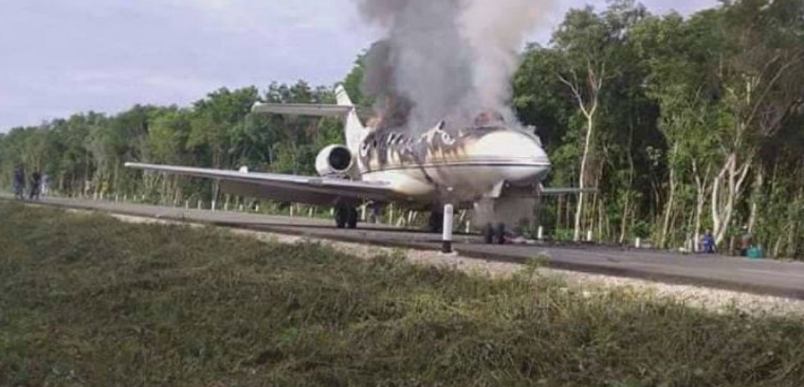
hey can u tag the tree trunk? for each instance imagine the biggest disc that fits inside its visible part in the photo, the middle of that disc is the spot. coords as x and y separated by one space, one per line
756 197
559 212
701 188
726 189
590 125
628 192
669 205
624 220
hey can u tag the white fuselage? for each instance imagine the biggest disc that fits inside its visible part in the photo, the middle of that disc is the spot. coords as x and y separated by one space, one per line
441 167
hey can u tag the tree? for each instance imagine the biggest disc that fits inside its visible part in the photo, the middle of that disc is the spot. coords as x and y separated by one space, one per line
589 44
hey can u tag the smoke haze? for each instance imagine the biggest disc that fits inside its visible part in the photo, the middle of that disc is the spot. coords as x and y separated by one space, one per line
445 59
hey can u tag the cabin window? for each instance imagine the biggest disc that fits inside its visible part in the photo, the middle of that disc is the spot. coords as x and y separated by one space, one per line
447 138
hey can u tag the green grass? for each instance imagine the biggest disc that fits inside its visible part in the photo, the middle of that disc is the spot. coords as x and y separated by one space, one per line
87 300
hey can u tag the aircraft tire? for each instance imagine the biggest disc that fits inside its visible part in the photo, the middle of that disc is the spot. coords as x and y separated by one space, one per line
499 233
436 222
341 216
488 233
351 220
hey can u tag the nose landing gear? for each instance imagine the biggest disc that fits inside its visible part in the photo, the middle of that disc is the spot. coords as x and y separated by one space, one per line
494 233
436 223
346 216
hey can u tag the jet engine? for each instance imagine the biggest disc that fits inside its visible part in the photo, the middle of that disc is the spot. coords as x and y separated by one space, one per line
334 160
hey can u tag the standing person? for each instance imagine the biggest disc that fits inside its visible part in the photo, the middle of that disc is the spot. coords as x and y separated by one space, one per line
708 243
36 182
746 241
19 183
45 184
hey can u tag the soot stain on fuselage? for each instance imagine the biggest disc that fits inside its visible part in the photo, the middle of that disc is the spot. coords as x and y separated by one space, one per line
380 146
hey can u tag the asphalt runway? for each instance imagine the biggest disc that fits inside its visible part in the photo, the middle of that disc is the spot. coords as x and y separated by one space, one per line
777 278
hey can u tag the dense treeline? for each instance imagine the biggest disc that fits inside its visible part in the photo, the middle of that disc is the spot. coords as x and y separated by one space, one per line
84 154
683 124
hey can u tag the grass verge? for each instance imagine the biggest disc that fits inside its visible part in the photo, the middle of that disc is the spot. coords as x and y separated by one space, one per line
89 300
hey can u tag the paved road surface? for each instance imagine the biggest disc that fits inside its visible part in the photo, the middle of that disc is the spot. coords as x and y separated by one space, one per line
763 277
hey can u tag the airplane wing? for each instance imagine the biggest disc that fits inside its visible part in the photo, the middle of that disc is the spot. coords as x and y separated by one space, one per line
302 109
286 188
564 191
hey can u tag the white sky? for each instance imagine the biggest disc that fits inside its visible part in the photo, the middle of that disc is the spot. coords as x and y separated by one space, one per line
61 57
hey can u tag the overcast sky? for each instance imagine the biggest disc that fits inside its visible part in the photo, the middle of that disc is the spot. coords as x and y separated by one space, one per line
62 57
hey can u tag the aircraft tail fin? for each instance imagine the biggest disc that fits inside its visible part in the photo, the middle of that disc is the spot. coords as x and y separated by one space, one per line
353 127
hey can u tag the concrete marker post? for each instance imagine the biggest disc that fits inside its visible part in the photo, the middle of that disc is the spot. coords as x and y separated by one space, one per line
540 233
446 237
589 236
213 205
638 243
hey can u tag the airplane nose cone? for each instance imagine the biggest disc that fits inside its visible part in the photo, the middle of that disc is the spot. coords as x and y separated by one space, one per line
520 154
511 145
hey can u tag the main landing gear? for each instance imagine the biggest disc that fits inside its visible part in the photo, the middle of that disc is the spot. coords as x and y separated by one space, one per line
436 223
494 233
346 216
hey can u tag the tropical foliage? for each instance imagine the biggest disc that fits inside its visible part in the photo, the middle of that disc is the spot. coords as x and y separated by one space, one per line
683 124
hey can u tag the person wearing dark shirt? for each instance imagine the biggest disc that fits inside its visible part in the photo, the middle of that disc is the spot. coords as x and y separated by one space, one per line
19 183
708 243
36 182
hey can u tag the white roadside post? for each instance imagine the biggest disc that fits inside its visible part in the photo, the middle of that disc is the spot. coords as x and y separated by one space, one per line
589 236
540 233
446 239
214 203
638 243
